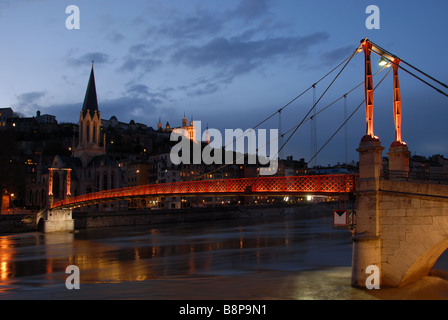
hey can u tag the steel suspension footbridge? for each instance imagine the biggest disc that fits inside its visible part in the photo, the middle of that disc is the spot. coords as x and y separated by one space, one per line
264 186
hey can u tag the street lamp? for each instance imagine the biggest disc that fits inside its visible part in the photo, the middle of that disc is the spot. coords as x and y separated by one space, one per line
385 63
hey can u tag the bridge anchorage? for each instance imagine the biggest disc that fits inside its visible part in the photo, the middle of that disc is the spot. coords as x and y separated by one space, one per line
52 219
55 220
402 225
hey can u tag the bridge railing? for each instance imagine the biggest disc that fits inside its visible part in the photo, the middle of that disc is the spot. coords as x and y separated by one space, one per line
339 183
416 176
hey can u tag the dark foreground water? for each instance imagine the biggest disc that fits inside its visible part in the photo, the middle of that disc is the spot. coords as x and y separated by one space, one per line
285 257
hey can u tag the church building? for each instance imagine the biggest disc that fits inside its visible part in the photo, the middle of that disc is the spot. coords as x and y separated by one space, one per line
187 130
89 168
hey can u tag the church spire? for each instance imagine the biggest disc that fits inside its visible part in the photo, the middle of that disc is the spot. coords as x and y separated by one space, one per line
184 121
90 135
90 100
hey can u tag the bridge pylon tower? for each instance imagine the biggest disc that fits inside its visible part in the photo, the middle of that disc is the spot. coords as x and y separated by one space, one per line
369 239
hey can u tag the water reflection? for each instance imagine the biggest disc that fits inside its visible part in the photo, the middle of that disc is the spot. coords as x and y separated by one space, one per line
6 254
297 258
142 253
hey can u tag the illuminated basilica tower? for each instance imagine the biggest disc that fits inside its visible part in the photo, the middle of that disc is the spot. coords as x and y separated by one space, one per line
91 142
186 130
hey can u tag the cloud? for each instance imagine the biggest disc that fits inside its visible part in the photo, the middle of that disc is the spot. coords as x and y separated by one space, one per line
115 37
98 57
216 46
28 102
30 97
250 9
141 91
235 56
145 65
201 86
125 109
138 90
207 88
192 27
139 58
223 59
202 24
336 55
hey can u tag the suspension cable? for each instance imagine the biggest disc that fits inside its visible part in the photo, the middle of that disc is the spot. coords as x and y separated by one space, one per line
295 98
326 90
346 94
415 68
295 127
346 61
417 77
345 122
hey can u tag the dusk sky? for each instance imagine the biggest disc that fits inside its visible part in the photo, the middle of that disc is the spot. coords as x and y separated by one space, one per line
229 64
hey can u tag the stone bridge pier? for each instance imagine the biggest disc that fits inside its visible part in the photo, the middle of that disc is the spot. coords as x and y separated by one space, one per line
402 226
55 220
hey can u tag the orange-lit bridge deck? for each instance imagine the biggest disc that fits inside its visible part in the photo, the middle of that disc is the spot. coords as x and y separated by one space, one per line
262 186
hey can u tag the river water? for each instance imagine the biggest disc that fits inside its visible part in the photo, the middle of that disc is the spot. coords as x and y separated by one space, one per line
285 257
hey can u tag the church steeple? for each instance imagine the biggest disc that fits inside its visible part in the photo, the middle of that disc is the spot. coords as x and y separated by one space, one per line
90 100
184 121
159 125
89 141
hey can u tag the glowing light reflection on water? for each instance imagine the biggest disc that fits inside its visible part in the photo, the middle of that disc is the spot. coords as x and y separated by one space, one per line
284 257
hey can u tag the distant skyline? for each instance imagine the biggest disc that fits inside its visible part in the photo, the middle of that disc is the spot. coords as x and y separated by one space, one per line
229 64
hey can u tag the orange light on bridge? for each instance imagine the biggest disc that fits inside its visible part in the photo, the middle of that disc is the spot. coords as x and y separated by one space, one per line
50 182
368 86
262 186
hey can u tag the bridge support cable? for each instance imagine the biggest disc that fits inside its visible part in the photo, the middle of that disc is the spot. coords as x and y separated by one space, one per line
306 118
326 90
346 61
345 122
389 57
345 130
330 105
327 107
294 99
297 126
313 144
303 92
345 95
280 130
413 67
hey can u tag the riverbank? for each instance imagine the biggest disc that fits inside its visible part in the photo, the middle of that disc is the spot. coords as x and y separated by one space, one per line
151 217
17 223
